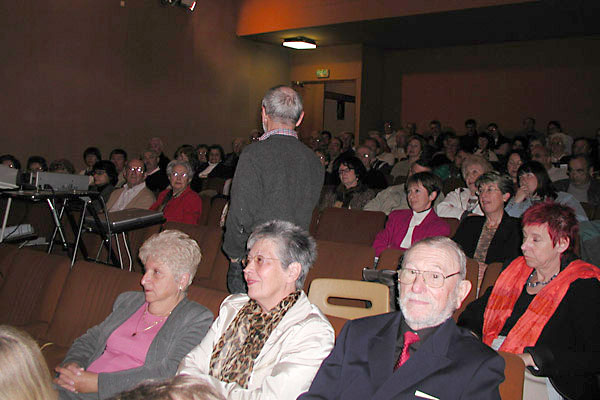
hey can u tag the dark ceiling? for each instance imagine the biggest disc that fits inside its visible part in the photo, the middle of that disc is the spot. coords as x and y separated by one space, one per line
524 21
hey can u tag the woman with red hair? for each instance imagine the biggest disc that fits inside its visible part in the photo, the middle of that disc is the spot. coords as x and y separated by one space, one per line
545 306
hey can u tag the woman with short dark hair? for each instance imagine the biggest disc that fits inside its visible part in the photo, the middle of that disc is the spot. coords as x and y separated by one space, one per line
352 192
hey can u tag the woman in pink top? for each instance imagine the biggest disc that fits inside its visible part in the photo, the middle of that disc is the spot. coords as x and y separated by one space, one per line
406 227
148 333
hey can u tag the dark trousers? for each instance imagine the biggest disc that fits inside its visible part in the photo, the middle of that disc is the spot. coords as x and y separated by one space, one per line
235 278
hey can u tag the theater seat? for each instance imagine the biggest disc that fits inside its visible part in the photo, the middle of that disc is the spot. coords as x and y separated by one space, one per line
349 226
472 276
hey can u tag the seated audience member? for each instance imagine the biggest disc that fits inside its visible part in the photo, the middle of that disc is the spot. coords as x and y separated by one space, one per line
134 194
529 129
10 161
61 166
414 149
560 148
519 143
325 139
202 153
535 186
515 159
24 374
448 152
399 151
553 127
231 159
157 145
435 137
469 140
352 192
269 343
452 170
335 152
188 153
541 155
582 145
119 158
418 352
384 159
545 306
105 178
91 156
329 180
581 183
216 168
484 148
374 179
179 203
500 143
156 178
254 136
347 139
148 333
181 387
463 201
495 237
394 197
36 164
406 227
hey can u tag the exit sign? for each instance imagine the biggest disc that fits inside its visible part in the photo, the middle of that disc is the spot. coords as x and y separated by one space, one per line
323 73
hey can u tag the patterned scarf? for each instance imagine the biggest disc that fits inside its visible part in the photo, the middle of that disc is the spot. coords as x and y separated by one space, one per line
507 290
233 356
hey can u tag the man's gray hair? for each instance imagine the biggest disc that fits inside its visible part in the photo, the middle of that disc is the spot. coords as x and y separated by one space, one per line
442 242
184 164
283 104
293 245
174 250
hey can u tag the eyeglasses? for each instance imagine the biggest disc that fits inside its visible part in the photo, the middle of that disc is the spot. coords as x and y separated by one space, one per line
138 169
181 174
258 260
432 279
344 171
487 190
99 172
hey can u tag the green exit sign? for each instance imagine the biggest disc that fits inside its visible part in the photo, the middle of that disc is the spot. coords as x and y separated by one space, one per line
323 73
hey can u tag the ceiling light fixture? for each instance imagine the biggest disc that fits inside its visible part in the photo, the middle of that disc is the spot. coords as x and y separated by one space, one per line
189 4
300 43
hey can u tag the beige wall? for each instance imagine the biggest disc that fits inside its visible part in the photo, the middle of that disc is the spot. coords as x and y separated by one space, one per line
503 83
76 74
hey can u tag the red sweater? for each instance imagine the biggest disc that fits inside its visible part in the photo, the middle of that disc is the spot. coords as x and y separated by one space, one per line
186 208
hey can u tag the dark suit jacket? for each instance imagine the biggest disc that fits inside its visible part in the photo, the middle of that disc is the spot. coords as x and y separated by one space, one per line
505 246
593 192
450 364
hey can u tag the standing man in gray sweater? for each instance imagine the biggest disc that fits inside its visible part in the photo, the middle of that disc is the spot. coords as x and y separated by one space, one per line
277 177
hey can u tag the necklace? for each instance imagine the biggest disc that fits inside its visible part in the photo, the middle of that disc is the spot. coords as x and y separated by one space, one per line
530 284
143 317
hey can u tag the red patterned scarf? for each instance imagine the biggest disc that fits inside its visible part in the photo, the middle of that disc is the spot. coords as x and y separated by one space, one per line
507 290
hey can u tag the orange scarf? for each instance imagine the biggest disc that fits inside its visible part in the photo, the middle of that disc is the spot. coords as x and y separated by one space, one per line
507 290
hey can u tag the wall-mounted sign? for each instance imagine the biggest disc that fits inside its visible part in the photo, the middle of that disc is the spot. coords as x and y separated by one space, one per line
323 73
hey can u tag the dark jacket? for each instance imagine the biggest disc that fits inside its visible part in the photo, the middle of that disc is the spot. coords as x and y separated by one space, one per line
593 193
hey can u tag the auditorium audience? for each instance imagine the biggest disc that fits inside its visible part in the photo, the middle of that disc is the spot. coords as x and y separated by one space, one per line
148 333
469 141
216 168
515 159
484 147
406 227
384 159
560 148
134 194
352 192
374 178
461 202
542 155
36 164
448 152
535 186
544 307
269 343
25 375
415 147
157 145
494 237
179 203
119 158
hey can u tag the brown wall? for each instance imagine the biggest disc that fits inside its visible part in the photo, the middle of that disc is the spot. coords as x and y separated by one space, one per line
551 79
76 74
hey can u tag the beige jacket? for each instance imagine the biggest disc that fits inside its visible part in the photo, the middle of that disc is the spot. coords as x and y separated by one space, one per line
144 199
287 363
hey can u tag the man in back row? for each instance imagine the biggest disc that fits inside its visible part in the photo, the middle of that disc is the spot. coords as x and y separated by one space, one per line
418 352
277 177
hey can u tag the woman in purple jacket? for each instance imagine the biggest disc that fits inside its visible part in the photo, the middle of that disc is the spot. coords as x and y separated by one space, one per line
406 227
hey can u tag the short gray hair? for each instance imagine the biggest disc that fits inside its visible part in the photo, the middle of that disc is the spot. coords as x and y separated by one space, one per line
475 159
184 164
283 104
293 245
175 250
442 242
503 181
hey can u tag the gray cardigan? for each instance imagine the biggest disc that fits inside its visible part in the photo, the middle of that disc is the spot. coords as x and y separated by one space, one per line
184 329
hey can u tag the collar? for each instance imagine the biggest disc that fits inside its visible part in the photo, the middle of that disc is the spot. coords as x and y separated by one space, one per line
280 131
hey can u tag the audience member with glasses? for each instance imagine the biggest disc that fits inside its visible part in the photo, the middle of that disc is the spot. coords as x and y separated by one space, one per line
352 192
179 203
269 343
495 237
134 194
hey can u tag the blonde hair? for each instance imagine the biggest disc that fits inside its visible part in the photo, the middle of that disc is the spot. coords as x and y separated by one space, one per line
174 250
24 373
181 387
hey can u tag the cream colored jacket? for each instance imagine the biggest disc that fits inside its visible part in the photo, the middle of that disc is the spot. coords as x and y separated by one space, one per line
288 362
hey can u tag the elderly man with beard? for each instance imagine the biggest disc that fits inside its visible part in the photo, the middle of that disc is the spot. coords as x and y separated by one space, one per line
418 352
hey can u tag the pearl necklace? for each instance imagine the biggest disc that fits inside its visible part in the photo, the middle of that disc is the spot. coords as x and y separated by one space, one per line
530 284
143 317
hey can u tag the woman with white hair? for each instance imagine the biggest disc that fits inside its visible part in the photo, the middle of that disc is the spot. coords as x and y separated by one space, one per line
178 202
148 333
269 343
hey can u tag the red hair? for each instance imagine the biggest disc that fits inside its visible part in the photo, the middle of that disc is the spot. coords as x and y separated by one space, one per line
561 220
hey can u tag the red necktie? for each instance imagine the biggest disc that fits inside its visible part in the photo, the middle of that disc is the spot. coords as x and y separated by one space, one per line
409 338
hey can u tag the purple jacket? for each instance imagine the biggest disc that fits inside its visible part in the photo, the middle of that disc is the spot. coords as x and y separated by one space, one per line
397 226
